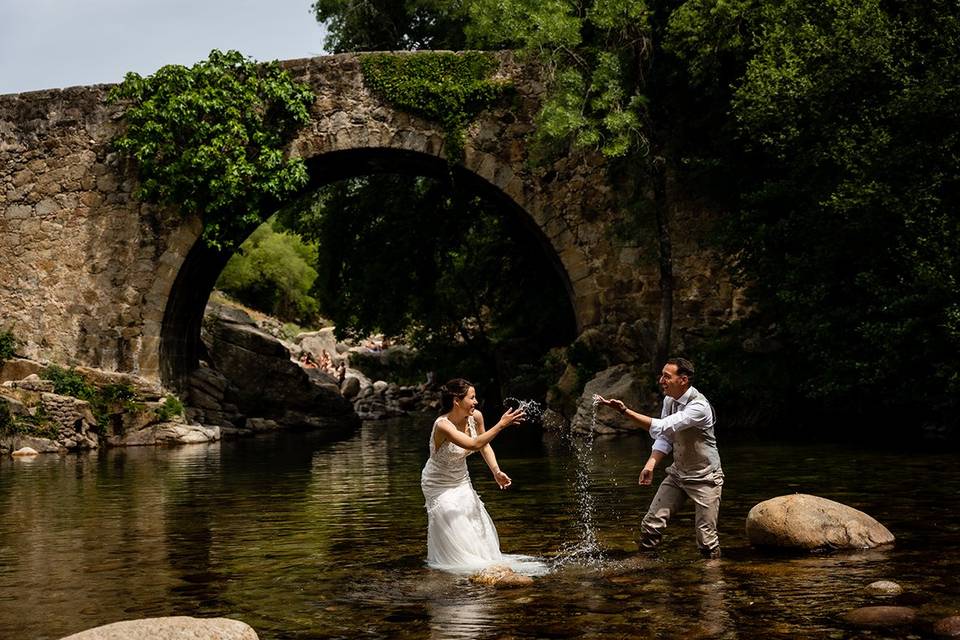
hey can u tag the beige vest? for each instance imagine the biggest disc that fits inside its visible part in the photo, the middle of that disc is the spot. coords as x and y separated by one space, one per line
695 454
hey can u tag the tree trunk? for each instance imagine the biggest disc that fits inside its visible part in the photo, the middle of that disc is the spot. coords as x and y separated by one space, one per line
665 246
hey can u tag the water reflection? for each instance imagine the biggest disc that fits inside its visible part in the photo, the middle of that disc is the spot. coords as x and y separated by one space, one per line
467 616
306 538
188 520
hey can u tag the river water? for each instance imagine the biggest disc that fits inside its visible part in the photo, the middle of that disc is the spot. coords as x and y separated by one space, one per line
306 538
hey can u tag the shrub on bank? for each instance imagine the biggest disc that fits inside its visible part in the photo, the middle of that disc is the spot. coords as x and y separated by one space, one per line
171 407
8 343
37 425
104 401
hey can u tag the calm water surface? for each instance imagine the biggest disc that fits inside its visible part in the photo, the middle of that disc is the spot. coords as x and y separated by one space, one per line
305 538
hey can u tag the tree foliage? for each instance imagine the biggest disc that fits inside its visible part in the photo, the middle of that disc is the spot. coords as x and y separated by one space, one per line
846 136
389 25
420 259
273 272
828 132
449 88
595 54
612 89
210 139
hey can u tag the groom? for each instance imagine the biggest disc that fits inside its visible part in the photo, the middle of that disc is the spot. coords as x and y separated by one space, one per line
685 426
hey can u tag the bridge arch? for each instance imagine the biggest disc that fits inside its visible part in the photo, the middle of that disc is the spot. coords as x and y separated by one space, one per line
189 287
89 275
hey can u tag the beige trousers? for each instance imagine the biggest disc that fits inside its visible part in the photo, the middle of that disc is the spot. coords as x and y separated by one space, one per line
670 497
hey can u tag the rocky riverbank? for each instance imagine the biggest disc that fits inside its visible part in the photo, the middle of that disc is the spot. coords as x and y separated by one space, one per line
252 380
46 408
257 379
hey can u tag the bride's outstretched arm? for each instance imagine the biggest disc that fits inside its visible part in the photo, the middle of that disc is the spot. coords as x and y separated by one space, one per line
490 458
461 439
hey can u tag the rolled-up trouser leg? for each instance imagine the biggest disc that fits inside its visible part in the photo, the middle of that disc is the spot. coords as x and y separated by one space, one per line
666 502
706 497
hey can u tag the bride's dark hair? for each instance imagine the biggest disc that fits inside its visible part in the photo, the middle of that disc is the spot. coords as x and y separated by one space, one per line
453 390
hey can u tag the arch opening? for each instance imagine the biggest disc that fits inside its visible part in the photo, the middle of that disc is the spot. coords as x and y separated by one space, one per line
180 346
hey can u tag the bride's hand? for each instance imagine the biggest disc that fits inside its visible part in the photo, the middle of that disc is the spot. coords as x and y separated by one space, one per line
502 479
511 416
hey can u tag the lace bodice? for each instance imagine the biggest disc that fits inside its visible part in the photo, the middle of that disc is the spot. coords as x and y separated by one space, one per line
448 452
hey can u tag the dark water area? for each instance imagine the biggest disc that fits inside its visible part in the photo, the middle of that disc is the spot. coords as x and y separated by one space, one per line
305 538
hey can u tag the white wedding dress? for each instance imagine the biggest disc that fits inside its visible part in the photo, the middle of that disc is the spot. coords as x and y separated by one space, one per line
461 537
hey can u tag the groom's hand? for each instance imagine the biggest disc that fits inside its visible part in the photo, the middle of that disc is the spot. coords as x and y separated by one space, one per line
646 476
614 403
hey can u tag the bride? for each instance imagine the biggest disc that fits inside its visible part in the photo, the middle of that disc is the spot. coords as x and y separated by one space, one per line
460 534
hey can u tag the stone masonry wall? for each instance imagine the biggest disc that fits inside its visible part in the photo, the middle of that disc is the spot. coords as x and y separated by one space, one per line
86 270
79 255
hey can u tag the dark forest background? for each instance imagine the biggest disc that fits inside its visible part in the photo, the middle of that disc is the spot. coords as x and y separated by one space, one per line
826 133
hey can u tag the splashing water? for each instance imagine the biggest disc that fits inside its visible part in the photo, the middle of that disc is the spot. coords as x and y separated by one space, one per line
532 410
586 549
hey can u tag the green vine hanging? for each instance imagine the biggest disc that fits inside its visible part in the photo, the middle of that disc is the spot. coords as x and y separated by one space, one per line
449 88
210 139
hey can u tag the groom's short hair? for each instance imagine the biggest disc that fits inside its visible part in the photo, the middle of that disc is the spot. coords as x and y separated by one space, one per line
684 367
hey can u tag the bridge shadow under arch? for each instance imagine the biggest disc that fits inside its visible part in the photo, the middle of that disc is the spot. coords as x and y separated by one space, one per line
180 345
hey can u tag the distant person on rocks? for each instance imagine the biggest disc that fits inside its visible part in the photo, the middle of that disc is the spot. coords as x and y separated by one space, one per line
325 363
685 427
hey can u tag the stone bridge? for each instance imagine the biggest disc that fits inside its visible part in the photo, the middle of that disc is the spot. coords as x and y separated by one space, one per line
91 276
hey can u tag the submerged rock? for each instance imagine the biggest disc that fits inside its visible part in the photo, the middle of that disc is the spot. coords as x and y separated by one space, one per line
170 628
884 588
25 451
880 616
947 627
811 523
500 576
166 433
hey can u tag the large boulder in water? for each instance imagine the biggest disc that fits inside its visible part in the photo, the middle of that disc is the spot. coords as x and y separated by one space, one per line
267 383
881 616
622 382
810 523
